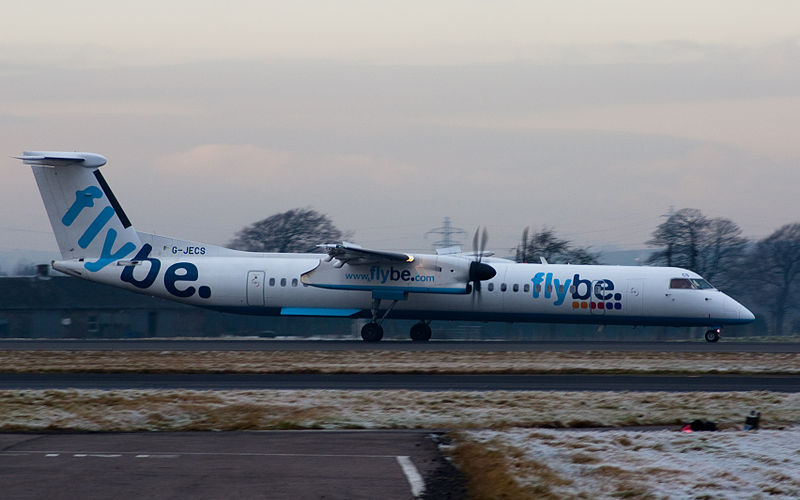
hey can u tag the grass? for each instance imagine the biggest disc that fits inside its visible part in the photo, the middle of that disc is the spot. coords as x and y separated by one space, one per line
185 410
629 463
398 362
492 474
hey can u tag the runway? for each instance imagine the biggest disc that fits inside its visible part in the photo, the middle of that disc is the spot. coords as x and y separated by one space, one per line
426 382
250 344
275 465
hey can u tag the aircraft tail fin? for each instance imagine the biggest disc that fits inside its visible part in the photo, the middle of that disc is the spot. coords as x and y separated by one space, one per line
86 217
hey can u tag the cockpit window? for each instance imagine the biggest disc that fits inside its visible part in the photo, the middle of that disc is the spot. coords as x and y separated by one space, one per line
701 284
690 283
680 283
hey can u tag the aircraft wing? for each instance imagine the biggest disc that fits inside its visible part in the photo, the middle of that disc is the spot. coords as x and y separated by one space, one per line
350 253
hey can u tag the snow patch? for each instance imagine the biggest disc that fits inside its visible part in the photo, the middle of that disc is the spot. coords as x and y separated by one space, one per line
662 464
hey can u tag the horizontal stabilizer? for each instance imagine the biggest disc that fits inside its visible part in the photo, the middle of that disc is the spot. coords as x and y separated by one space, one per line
62 158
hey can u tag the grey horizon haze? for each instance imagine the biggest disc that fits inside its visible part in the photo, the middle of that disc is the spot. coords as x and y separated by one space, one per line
389 116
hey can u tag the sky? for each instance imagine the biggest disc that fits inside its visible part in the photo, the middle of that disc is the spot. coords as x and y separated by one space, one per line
591 117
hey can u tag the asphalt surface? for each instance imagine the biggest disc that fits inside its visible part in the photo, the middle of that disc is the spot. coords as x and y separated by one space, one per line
250 344
422 382
275 465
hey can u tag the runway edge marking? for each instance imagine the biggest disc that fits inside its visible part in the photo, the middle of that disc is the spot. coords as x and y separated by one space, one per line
412 475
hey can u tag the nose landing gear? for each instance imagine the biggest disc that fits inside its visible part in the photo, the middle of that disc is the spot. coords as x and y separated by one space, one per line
713 335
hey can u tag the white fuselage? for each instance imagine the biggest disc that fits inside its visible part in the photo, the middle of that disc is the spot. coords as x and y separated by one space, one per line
272 284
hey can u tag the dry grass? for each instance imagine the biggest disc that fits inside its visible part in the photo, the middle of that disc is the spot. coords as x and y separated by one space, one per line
183 410
397 362
492 474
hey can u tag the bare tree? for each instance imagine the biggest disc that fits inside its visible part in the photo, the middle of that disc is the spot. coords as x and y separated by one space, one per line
680 235
773 269
298 230
722 248
710 247
546 244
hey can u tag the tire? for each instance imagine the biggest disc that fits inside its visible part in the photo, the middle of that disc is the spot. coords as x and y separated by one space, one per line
712 336
420 332
372 332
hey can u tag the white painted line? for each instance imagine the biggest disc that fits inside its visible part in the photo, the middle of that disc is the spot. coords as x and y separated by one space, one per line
412 474
192 453
109 455
52 455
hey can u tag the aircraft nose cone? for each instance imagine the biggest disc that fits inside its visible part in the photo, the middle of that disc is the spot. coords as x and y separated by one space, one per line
738 311
745 314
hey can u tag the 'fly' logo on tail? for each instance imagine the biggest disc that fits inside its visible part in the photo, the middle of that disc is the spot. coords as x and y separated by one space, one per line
85 198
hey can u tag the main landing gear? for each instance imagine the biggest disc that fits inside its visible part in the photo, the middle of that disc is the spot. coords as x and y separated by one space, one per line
713 335
373 331
421 332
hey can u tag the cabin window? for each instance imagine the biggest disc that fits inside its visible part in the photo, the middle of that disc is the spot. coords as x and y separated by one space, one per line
561 289
572 289
538 289
283 281
515 287
294 281
502 287
526 288
549 289
680 283
491 287
272 282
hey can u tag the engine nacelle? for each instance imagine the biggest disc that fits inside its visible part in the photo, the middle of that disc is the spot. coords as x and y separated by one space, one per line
424 274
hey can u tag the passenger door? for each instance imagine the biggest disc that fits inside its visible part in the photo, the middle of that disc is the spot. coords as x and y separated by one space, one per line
255 288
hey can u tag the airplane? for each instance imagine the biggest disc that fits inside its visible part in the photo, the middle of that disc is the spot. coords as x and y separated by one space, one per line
98 242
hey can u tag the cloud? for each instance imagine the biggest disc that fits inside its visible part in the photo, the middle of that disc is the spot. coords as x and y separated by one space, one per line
245 165
199 150
240 164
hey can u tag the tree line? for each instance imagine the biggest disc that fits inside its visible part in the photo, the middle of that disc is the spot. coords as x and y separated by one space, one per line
763 274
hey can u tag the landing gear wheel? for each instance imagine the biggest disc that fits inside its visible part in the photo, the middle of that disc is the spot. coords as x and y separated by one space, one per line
421 332
372 332
712 335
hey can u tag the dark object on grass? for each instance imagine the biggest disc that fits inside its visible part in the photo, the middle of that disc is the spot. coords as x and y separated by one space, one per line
702 425
751 422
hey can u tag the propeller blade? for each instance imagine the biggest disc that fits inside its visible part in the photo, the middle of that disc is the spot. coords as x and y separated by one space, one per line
484 239
479 271
524 249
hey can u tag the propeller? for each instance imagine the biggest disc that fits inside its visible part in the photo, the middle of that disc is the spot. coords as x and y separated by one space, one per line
523 251
478 271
